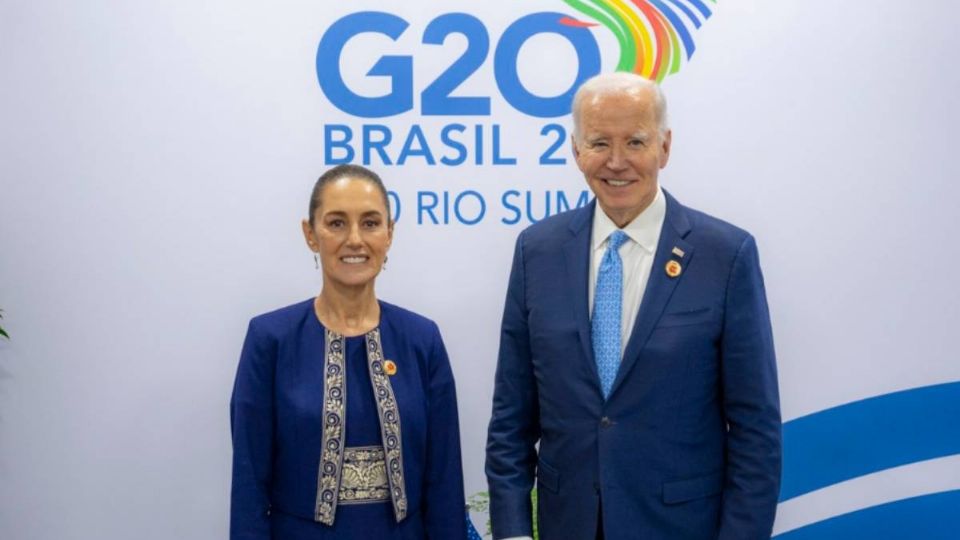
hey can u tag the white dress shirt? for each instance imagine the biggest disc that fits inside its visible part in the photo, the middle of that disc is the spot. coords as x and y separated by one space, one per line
637 256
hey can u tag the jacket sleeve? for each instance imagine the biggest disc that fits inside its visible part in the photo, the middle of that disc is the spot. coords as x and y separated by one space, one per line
751 404
444 515
252 425
515 423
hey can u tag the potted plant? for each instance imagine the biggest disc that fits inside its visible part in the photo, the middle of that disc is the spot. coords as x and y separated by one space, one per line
2 331
480 502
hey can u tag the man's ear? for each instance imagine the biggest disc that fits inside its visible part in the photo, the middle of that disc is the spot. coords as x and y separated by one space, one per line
665 148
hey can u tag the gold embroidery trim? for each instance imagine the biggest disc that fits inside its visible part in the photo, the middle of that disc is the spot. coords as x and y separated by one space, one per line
334 410
330 489
364 477
390 430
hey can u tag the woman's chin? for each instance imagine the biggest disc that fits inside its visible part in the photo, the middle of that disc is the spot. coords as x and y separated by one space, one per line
358 278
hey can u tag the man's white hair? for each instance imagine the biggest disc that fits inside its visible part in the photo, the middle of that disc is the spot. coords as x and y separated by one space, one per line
620 82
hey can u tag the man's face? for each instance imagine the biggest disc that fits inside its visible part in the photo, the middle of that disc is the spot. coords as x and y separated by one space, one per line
621 151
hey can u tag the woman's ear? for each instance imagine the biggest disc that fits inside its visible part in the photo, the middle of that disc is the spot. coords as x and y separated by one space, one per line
308 235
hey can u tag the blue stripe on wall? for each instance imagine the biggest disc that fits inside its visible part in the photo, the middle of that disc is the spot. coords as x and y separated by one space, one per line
929 517
867 436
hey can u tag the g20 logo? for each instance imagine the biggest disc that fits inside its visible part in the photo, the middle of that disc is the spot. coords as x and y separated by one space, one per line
436 98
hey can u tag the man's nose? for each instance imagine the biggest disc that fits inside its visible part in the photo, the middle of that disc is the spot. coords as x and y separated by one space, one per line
617 160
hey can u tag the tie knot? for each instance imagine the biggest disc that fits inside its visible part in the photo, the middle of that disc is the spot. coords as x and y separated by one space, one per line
616 239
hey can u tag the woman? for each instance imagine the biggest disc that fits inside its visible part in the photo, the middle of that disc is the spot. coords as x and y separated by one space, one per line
344 412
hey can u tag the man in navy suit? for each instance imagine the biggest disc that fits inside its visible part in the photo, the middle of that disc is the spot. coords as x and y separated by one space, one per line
636 349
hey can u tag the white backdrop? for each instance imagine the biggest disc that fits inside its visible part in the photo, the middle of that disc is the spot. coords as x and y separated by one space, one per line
156 158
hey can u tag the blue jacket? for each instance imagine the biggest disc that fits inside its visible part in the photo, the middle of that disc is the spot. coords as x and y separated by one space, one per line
277 420
687 446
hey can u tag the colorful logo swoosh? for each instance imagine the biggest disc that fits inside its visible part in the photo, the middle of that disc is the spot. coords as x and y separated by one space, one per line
654 35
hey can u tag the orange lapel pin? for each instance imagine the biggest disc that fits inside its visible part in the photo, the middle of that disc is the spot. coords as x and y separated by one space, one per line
389 367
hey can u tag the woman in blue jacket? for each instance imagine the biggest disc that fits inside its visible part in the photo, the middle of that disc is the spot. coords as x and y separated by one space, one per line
344 412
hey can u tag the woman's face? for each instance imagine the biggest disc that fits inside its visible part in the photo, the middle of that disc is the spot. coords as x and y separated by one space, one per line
351 231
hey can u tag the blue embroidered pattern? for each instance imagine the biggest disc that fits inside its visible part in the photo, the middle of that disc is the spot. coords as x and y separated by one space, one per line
329 487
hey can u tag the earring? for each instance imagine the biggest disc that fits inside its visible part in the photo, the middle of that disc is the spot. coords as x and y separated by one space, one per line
316 260
385 258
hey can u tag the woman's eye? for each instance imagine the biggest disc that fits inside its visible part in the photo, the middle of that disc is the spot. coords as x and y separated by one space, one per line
371 224
335 223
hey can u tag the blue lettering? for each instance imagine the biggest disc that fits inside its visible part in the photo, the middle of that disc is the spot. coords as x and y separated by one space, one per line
394 205
497 160
435 99
563 205
459 214
547 157
546 211
398 68
449 142
505 199
505 63
422 148
426 208
478 137
379 145
331 142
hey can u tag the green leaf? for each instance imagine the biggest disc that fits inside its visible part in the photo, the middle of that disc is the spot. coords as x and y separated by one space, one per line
4 333
536 526
480 502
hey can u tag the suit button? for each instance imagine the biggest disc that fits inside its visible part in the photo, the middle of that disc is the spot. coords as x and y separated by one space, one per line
606 422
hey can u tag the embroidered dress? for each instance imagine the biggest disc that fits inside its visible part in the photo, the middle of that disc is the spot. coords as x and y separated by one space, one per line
328 446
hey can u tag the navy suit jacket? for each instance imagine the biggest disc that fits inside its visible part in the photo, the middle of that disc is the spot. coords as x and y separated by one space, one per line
687 446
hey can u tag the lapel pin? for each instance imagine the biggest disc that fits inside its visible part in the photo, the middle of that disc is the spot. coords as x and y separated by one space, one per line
389 367
678 252
673 269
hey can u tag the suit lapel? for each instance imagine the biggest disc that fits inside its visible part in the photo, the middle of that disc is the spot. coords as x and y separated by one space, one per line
660 286
577 258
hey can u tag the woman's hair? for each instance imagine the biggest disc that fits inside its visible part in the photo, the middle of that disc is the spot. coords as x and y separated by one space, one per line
346 171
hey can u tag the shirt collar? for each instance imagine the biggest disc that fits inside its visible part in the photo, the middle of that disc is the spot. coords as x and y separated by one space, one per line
644 229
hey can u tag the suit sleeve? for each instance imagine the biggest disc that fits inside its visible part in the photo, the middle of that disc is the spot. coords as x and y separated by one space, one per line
444 514
251 424
515 423
751 404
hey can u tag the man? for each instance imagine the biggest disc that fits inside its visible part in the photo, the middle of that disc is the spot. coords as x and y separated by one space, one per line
636 350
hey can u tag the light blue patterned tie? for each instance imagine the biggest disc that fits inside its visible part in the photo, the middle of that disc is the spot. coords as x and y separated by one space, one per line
607 301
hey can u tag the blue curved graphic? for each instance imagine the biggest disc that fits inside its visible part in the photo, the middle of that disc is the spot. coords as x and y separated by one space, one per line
928 517
871 435
697 4
678 25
